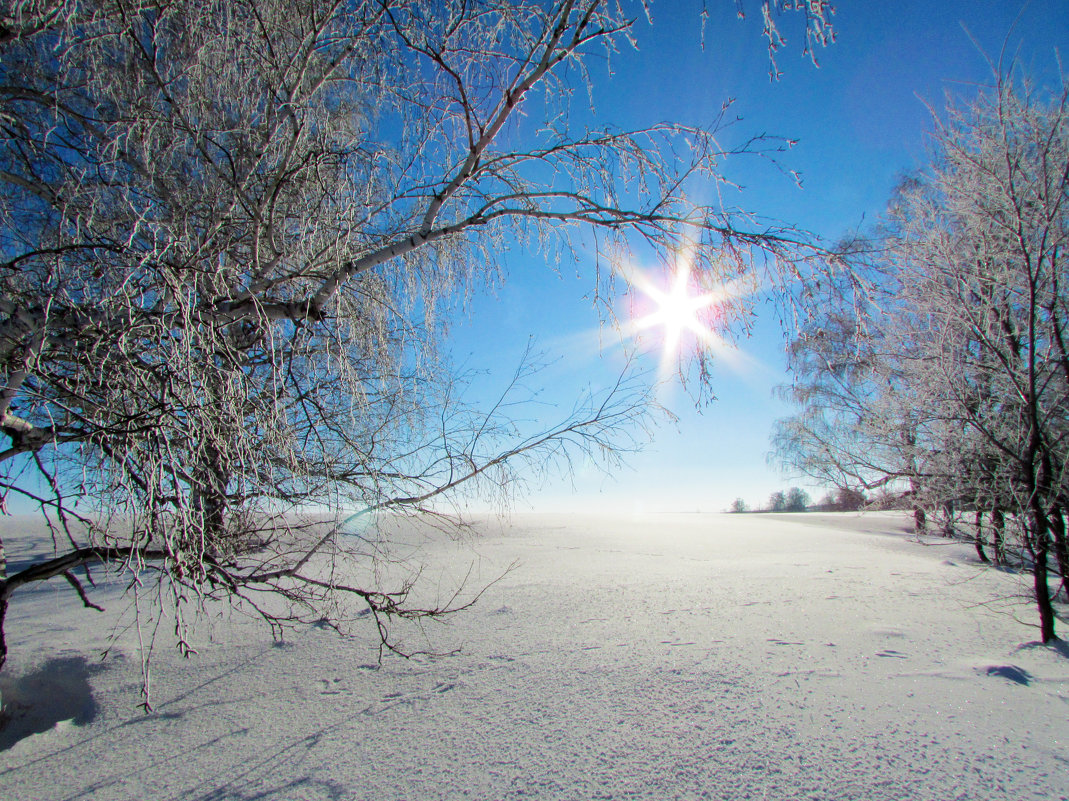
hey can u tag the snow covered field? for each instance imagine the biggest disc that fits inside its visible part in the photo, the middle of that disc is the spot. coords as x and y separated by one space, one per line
657 657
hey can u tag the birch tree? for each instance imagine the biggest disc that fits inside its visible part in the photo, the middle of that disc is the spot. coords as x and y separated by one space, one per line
956 374
233 234
860 423
979 248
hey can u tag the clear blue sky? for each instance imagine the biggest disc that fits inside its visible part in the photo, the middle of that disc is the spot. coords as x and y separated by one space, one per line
861 119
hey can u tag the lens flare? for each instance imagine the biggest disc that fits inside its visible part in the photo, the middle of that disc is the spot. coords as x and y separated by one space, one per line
673 311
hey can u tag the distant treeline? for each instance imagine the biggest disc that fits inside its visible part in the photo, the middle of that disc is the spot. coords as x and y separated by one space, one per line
796 499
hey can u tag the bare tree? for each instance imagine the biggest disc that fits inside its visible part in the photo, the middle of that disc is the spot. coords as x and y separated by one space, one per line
979 249
859 425
797 500
777 502
234 233
848 499
956 368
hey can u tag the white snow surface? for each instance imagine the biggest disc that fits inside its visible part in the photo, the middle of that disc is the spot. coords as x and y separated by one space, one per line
680 656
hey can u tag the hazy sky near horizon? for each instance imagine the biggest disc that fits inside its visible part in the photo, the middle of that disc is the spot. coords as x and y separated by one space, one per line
861 121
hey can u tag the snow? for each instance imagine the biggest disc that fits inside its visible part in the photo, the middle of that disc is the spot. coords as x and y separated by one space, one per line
631 657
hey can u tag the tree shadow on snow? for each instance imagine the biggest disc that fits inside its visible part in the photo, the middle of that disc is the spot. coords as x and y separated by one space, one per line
1011 672
308 786
35 702
1058 646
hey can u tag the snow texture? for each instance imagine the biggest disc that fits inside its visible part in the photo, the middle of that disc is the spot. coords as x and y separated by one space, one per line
659 657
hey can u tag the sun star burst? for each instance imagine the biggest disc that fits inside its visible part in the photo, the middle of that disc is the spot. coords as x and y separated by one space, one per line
672 312
677 310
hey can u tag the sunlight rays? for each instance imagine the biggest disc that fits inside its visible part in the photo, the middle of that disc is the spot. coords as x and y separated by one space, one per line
671 312
674 313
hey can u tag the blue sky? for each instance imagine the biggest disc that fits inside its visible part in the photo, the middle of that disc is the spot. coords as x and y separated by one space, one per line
860 119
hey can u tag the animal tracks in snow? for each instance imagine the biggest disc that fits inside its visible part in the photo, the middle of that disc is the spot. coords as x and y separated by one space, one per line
331 687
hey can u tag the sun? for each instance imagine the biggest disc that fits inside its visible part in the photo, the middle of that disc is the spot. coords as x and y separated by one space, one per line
672 313
675 313
677 309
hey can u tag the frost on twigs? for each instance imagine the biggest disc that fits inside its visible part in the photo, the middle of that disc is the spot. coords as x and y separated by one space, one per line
934 367
234 236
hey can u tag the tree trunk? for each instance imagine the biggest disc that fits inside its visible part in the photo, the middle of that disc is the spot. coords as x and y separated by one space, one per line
211 474
209 499
998 525
920 522
3 604
3 617
1039 544
1061 550
948 519
978 537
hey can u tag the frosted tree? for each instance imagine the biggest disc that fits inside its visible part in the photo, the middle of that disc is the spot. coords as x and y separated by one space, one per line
233 236
859 424
942 358
978 246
